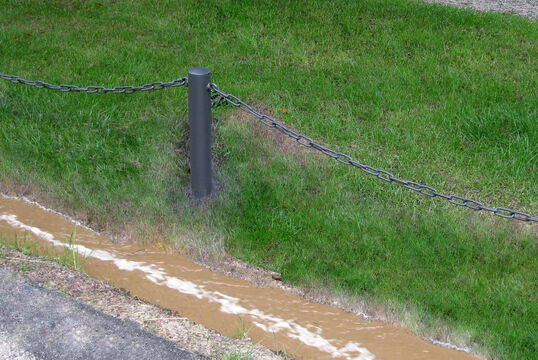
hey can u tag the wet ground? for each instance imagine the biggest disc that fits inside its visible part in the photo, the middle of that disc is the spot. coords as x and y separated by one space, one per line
278 319
36 322
54 276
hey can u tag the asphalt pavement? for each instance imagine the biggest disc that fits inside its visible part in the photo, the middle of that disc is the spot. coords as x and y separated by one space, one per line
40 323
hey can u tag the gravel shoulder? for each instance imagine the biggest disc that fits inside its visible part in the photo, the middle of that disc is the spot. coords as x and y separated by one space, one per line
94 295
50 325
525 8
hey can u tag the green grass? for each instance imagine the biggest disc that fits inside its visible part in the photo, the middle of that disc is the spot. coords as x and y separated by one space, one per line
23 244
235 356
241 330
443 96
67 256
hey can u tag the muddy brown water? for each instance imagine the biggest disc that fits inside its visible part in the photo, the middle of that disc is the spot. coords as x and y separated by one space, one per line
278 319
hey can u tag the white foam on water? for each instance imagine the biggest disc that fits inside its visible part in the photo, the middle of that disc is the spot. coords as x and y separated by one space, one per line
228 304
28 201
449 345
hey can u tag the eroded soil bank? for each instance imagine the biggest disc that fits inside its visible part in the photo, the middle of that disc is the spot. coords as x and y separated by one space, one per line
279 320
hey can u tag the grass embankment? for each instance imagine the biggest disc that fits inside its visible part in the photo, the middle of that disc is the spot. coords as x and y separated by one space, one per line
443 96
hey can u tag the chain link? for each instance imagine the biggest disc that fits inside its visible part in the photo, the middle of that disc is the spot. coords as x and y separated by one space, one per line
370 170
220 97
157 85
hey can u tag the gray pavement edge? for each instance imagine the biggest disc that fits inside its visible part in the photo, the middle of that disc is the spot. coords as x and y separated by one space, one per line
51 325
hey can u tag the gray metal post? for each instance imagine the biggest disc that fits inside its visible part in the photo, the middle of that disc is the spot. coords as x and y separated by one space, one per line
200 132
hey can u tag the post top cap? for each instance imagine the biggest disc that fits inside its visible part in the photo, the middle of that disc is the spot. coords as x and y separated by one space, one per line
199 71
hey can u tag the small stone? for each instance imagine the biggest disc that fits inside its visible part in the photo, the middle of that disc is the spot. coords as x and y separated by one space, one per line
276 276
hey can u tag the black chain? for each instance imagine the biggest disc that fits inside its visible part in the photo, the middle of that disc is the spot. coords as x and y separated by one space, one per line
220 97
157 85
370 170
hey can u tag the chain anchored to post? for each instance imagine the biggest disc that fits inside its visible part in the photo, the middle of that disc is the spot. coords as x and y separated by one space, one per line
203 94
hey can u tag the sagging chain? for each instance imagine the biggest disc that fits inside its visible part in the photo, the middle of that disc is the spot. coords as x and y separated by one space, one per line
370 170
157 85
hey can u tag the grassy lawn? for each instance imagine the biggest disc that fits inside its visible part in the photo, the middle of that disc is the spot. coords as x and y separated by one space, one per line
443 96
